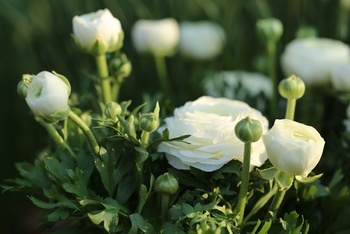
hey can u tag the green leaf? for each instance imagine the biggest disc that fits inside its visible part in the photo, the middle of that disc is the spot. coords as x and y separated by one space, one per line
268 173
109 218
144 194
141 154
42 204
310 179
337 177
138 223
284 180
169 228
77 184
290 223
59 214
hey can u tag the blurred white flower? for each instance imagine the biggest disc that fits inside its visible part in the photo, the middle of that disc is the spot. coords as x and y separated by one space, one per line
47 96
210 122
340 77
98 32
239 85
292 147
313 59
201 40
158 37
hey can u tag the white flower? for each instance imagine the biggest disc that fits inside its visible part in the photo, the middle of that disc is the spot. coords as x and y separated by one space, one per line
201 40
292 147
341 77
47 96
240 85
158 37
98 32
313 59
210 122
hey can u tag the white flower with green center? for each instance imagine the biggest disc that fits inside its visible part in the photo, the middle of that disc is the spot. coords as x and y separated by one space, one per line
210 122
47 96
292 147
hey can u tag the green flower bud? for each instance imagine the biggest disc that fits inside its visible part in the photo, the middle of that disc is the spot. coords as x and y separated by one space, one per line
248 130
120 66
149 122
292 87
269 29
112 110
166 184
22 86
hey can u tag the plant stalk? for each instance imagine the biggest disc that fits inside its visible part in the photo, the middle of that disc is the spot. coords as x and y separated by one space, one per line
102 69
87 132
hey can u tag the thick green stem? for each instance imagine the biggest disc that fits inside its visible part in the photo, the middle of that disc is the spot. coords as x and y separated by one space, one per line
102 69
87 132
242 196
291 103
55 136
260 203
163 75
271 53
277 201
164 205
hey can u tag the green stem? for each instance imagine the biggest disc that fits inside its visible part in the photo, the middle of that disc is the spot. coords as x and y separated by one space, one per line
277 201
162 75
87 132
242 196
271 53
102 69
116 88
164 205
291 103
144 138
55 136
260 203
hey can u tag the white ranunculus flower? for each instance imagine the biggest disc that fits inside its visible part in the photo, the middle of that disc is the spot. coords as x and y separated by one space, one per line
341 77
158 37
210 122
98 32
47 96
201 40
292 147
239 85
313 59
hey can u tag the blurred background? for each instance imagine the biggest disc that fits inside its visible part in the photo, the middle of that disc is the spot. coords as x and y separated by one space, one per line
35 36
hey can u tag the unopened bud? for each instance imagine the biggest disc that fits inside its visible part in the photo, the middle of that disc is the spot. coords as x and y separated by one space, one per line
120 66
149 122
269 29
248 130
292 87
166 184
112 110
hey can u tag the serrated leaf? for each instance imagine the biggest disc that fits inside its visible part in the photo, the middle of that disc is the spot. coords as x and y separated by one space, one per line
77 184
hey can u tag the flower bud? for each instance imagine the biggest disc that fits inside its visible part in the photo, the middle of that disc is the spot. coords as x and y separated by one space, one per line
292 87
269 29
112 110
248 130
149 122
22 86
166 184
47 96
120 66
